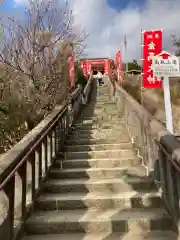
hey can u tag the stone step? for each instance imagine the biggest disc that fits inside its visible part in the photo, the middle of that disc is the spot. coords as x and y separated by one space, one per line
82 127
152 235
93 221
104 100
98 185
100 135
96 173
100 113
103 96
105 93
113 153
101 117
99 163
101 120
100 107
105 104
98 147
100 201
93 119
102 93
91 141
100 130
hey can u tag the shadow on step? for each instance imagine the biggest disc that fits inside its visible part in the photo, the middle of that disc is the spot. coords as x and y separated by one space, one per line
113 222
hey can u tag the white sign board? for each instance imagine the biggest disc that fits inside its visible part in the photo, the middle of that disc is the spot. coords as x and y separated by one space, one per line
168 66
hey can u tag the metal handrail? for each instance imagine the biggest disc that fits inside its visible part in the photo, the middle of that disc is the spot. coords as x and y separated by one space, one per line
48 136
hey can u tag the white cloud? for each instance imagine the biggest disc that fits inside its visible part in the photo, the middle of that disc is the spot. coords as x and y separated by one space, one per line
107 26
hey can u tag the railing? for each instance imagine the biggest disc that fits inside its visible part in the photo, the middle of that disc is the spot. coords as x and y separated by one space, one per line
159 148
24 168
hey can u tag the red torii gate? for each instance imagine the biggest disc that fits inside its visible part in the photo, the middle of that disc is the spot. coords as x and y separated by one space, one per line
94 63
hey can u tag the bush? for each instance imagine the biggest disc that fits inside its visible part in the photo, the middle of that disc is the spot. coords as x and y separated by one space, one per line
175 91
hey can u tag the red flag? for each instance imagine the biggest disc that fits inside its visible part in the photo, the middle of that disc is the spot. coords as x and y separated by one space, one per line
83 64
112 67
89 67
152 45
85 68
71 70
119 65
106 66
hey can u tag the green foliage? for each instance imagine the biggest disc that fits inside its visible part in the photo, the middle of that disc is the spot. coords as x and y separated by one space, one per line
132 66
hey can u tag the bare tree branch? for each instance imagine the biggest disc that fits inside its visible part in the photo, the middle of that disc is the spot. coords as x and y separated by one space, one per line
176 43
33 65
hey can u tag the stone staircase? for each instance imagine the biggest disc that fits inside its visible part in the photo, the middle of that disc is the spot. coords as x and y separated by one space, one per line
99 189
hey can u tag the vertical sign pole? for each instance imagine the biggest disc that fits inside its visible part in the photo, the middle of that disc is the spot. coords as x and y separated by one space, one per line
167 101
142 63
125 45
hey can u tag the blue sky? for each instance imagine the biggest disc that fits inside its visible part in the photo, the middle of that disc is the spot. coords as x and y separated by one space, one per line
117 4
120 4
108 21
8 5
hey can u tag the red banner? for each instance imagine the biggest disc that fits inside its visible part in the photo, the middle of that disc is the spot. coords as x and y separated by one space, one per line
89 67
106 67
119 65
112 66
83 65
152 46
71 70
85 69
